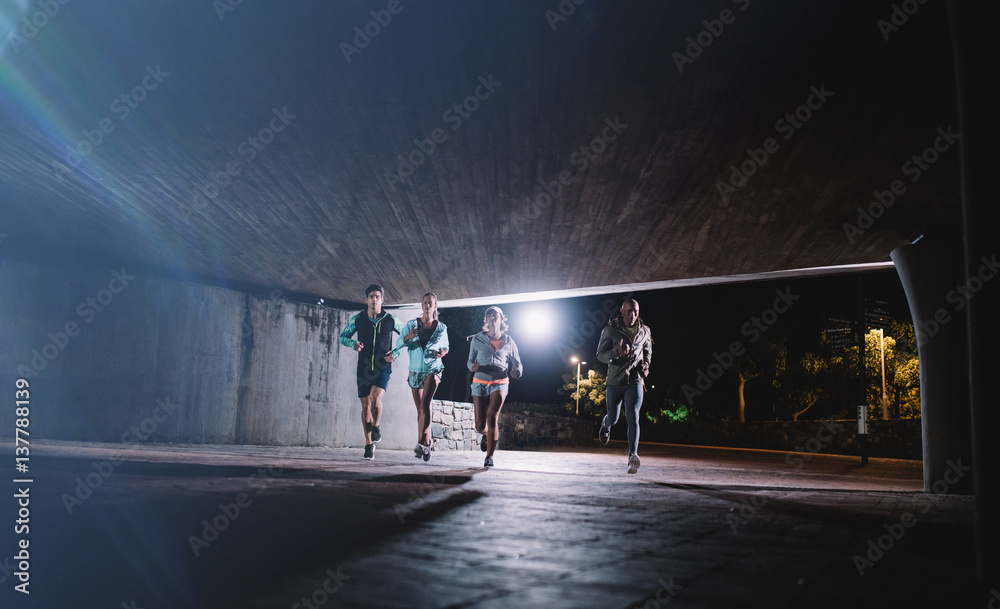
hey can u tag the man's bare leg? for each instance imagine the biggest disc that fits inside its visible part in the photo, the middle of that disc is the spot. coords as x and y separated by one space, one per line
366 419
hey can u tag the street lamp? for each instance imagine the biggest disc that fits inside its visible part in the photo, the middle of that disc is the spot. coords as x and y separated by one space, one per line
578 363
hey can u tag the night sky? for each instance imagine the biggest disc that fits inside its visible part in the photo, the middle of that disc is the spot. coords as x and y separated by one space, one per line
689 325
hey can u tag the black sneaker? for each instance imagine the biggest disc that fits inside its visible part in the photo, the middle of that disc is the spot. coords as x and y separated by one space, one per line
418 451
376 433
427 452
488 462
369 451
605 433
482 443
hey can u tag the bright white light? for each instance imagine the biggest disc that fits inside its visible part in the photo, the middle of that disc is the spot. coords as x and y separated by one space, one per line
536 322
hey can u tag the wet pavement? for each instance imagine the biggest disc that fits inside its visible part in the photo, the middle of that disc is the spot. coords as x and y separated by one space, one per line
167 525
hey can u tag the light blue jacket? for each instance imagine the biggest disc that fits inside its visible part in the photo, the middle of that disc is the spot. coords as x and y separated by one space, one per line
493 365
421 359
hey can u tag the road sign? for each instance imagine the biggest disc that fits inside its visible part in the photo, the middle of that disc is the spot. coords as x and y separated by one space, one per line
877 315
840 333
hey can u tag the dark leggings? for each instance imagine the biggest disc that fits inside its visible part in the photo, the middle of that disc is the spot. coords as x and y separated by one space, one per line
632 396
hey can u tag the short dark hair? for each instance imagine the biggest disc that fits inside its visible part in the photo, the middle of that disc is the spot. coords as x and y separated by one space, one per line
374 288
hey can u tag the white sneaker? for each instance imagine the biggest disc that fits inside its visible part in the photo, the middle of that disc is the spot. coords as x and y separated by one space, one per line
633 463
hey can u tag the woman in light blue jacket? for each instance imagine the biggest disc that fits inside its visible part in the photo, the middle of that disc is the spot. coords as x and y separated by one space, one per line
427 341
494 359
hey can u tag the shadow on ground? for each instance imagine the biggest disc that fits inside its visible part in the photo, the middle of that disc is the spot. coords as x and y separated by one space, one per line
187 535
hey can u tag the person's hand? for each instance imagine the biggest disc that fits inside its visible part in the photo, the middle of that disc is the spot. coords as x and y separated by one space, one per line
389 357
623 348
515 373
475 367
440 353
413 334
645 371
358 345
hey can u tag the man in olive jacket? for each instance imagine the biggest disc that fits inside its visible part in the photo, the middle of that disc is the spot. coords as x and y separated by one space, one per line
626 346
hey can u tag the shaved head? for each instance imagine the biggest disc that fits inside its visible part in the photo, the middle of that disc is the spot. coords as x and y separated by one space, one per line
630 312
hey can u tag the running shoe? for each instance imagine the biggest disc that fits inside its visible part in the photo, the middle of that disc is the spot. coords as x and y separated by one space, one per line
488 462
418 451
633 463
376 433
426 449
369 451
482 443
605 433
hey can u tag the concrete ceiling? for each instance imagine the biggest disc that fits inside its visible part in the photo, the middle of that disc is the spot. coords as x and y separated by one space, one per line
237 145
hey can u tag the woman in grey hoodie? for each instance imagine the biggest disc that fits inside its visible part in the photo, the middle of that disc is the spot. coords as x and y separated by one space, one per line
494 360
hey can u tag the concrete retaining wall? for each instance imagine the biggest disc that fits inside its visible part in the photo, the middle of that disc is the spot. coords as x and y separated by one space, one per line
107 352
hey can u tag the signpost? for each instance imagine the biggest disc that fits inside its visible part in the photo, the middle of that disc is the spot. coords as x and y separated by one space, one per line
840 333
863 432
877 316
843 333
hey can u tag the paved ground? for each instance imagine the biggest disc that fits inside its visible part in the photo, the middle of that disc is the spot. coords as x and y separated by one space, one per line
269 527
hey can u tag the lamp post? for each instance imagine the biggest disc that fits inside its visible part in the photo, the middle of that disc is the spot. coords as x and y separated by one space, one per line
578 363
885 396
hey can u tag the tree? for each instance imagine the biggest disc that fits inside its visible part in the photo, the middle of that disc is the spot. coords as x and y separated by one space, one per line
905 387
816 379
593 392
833 377
766 359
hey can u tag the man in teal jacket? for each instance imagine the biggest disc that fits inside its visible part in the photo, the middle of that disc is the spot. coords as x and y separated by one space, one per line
374 328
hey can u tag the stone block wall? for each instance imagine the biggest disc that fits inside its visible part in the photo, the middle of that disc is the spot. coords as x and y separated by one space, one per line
453 428
526 430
